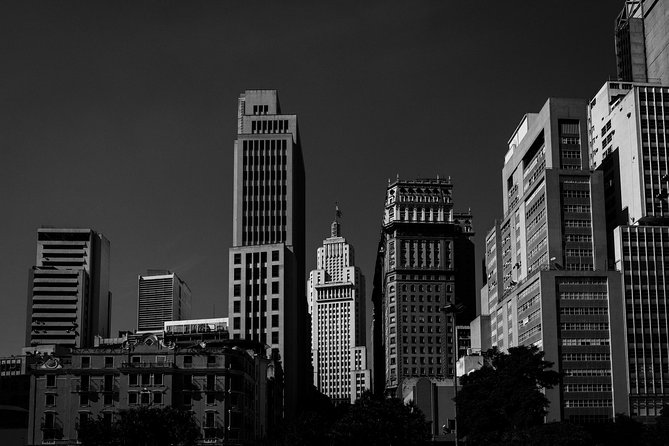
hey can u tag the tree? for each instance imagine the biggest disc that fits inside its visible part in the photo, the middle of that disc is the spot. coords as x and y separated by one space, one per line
375 421
143 426
505 394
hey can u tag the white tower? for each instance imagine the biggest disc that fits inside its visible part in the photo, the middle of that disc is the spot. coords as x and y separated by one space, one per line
336 299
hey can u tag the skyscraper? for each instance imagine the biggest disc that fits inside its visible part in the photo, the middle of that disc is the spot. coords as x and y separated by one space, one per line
547 281
69 302
629 145
267 301
642 41
161 297
425 262
336 301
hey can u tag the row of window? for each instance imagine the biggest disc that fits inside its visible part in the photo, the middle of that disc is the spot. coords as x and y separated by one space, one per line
587 387
586 357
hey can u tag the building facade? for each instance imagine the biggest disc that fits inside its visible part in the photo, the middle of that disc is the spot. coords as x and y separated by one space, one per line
69 302
642 41
547 280
161 296
227 385
425 262
336 302
267 301
628 144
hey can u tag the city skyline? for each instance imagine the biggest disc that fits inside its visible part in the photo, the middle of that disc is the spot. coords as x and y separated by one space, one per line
90 142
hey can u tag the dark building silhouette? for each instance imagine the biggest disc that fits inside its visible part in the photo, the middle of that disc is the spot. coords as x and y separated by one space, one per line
69 302
425 261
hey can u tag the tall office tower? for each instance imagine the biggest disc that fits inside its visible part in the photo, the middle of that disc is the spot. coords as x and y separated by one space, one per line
642 41
547 278
629 143
425 262
267 301
161 297
69 302
336 300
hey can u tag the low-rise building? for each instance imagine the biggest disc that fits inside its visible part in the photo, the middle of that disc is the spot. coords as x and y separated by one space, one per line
229 385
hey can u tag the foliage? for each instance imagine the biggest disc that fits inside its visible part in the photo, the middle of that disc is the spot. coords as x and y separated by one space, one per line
504 395
370 421
549 434
143 426
380 422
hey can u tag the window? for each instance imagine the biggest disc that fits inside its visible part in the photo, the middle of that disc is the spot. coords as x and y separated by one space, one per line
108 399
275 287
85 362
237 274
275 337
236 306
83 418
275 304
157 379
50 399
51 380
83 399
275 320
275 256
84 382
109 362
157 398
275 270
145 397
109 381
237 259
236 324
237 290
146 379
132 397
132 379
49 420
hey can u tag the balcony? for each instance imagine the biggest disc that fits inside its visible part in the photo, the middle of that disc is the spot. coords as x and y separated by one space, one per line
148 365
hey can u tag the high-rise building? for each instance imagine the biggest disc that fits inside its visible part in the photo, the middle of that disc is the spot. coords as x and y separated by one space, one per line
161 297
69 302
629 144
267 301
547 281
642 41
425 262
336 301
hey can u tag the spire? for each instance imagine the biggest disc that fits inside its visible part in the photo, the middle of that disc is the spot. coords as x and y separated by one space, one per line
335 229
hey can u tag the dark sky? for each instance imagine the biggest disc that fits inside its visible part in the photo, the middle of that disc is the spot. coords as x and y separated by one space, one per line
121 116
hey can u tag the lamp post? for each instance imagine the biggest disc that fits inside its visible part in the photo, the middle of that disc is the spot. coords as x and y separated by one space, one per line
452 309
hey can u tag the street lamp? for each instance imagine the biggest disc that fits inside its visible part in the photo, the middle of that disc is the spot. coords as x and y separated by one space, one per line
452 310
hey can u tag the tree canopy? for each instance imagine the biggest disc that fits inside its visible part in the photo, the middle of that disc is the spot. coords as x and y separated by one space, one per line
142 426
371 420
505 394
